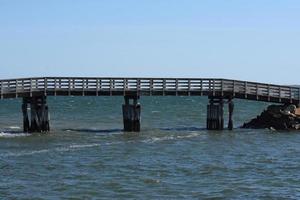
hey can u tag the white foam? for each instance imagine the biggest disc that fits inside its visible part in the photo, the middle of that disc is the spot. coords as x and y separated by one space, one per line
15 127
79 146
24 153
155 111
159 139
13 135
58 149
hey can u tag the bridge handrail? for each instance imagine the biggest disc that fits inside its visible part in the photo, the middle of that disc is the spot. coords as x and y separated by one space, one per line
213 85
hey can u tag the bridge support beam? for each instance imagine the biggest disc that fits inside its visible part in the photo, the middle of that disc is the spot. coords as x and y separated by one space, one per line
38 118
215 113
131 114
230 112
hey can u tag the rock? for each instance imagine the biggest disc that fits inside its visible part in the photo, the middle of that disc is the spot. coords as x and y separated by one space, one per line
279 117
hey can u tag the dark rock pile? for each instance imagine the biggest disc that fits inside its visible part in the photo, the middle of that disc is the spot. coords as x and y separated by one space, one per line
279 117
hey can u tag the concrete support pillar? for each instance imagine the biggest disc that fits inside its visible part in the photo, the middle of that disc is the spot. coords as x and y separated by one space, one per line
215 113
38 119
131 114
230 112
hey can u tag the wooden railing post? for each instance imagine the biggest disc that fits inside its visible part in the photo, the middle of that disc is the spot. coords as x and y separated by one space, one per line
279 94
164 86
257 93
69 90
82 85
1 89
233 89
222 88
213 87
31 87
23 85
151 88
269 98
16 84
291 100
100 84
110 86
246 89
97 87
45 86
54 86
299 97
201 87
138 86
176 86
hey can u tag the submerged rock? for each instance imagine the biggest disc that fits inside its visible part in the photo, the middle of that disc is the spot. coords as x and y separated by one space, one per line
279 117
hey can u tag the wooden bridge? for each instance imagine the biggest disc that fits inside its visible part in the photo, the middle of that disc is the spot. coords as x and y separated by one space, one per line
35 90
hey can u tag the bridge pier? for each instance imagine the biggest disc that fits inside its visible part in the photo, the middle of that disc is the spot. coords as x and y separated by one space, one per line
215 113
38 118
230 111
131 114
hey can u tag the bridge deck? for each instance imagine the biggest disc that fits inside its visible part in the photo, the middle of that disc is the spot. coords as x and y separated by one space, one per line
74 86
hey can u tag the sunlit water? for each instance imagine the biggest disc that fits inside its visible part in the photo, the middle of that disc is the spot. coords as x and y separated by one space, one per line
87 156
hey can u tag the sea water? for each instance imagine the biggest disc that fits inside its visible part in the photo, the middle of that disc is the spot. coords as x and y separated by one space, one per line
88 156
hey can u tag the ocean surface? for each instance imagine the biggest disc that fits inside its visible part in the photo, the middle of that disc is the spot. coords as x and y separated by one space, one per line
88 156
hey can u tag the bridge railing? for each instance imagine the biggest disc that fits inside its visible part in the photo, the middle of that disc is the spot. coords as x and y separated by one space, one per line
46 84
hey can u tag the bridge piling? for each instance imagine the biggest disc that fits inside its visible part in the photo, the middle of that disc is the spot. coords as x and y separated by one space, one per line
131 114
215 113
26 125
38 119
230 111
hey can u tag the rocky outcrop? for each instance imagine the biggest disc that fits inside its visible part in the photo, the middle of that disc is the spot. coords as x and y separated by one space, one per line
279 117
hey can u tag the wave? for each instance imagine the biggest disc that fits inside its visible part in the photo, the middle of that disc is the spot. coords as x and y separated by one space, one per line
172 137
14 127
13 135
72 147
76 146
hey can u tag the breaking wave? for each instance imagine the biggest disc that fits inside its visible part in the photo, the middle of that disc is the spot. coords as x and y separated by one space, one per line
13 135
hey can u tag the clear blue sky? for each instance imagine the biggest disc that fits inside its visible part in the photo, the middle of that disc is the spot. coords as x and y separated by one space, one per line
257 40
